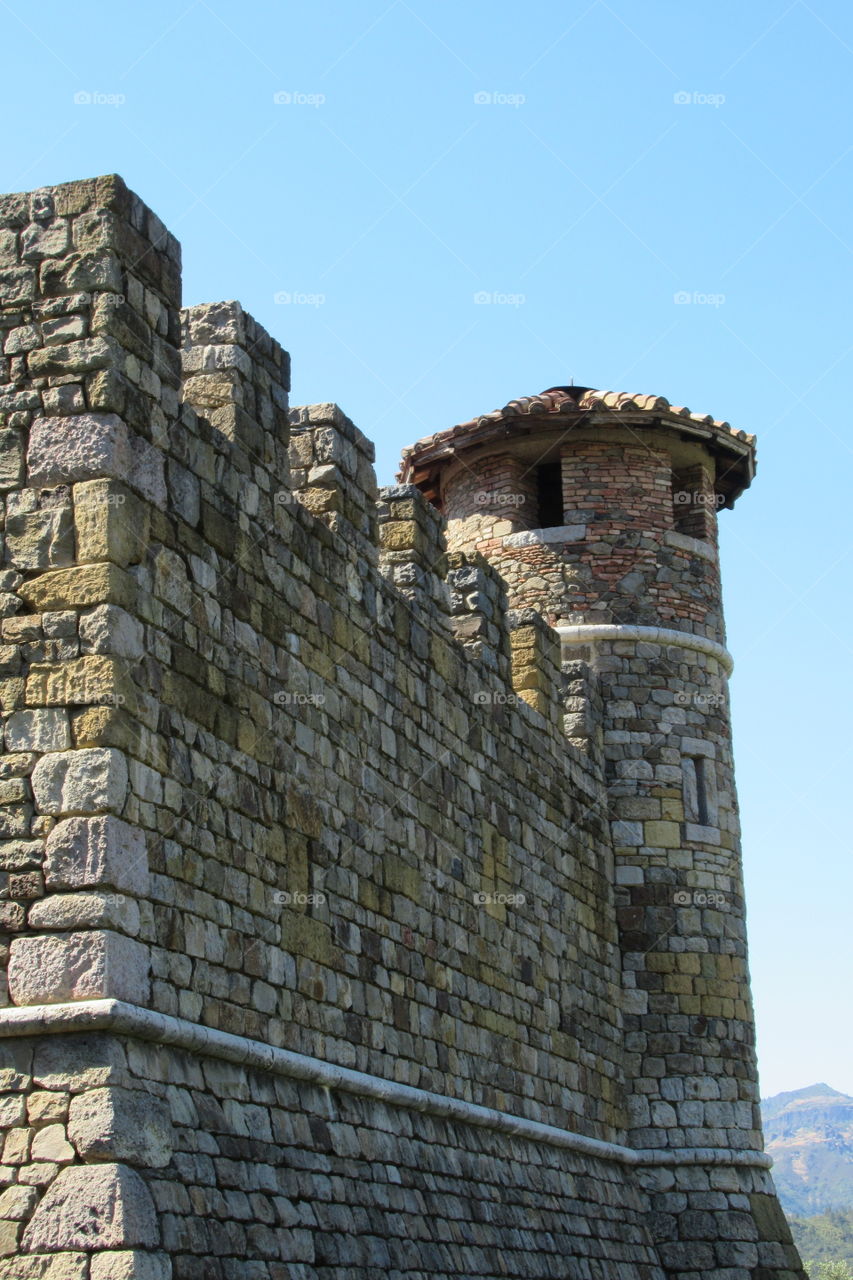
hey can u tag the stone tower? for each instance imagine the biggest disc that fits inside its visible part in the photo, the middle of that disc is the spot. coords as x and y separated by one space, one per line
600 511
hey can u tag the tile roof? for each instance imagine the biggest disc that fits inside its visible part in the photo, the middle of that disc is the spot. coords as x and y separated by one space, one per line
421 460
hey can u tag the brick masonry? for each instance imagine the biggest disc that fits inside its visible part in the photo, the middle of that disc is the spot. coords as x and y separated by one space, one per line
350 928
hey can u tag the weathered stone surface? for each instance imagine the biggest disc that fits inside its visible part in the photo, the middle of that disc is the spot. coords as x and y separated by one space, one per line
127 1125
18 1202
51 1144
73 782
45 1266
110 522
87 852
79 586
84 447
93 1207
109 629
78 966
39 531
44 730
97 679
75 1062
11 459
86 911
130 1265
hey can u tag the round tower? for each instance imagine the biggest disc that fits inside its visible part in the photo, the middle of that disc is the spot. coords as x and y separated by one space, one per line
600 510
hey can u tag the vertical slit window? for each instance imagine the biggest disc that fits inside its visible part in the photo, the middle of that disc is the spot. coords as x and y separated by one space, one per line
549 489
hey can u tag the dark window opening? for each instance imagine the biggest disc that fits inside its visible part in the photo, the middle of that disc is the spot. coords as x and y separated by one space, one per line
549 491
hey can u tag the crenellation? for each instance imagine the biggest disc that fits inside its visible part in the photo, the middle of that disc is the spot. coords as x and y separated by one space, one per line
412 545
536 675
332 475
326 955
478 608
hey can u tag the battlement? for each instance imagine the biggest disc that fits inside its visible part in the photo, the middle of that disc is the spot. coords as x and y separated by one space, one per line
327 891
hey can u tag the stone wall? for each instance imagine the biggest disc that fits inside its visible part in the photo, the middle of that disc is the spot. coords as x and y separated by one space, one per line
313 962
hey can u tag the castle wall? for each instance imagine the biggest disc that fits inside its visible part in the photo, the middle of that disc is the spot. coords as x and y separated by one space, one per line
282 777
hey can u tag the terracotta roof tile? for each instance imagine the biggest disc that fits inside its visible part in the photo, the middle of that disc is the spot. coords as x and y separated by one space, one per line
565 400
577 402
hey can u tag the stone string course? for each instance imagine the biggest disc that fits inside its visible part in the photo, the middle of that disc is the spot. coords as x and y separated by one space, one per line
285 763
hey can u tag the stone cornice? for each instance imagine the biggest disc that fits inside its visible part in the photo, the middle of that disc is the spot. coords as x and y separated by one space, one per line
586 633
120 1018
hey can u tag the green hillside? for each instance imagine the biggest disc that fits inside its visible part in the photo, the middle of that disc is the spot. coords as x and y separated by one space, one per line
823 1239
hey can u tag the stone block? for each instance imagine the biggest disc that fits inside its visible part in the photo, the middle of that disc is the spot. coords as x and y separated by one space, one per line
18 1202
79 586
110 522
627 833
51 1144
663 835
127 1125
9 1233
75 1062
109 629
84 447
94 1207
17 285
86 911
46 729
44 240
87 852
11 459
45 1266
81 271
97 679
65 399
74 357
80 782
90 965
39 531
130 1264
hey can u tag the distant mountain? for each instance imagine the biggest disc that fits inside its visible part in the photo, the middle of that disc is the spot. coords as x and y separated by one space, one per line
809 1134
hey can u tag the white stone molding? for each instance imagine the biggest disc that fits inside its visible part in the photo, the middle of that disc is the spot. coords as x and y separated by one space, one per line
587 632
120 1018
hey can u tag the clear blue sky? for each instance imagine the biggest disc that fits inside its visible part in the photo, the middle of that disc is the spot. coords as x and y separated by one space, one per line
383 196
